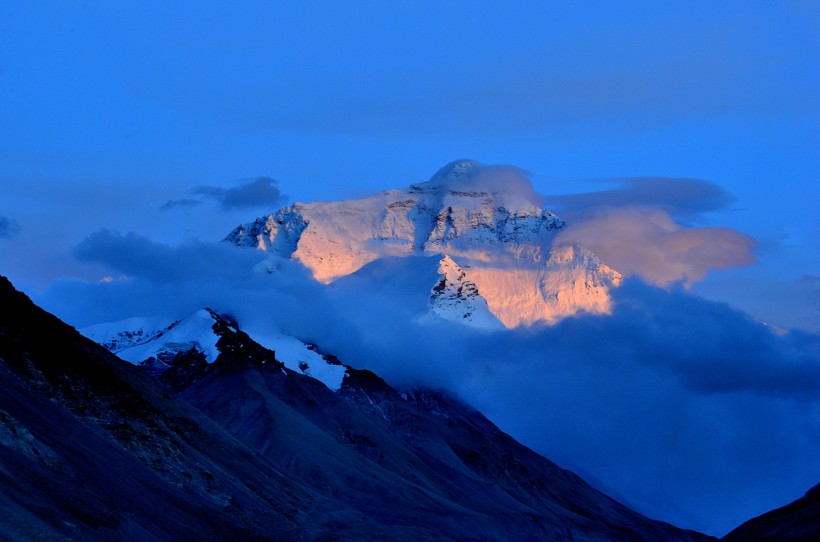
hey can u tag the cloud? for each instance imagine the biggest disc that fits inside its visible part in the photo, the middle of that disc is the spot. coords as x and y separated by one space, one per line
146 277
259 192
177 203
696 413
713 348
693 411
641 228
809 280
136 256
649 244
681 198
809 287
510 185
8 227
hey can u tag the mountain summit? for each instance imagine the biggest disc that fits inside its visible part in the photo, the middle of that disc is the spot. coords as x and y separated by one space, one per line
486 219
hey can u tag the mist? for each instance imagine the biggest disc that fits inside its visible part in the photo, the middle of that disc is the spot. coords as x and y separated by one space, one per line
689 410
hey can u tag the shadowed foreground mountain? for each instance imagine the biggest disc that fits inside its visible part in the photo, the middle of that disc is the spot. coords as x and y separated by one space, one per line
796 522
93 448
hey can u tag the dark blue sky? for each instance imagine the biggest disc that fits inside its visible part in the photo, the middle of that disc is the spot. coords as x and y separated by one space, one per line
108 111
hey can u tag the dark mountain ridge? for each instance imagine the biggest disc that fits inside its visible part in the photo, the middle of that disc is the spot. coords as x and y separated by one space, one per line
798 521
93 448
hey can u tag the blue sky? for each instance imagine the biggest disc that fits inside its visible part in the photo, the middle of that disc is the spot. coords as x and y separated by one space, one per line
108 110
170 123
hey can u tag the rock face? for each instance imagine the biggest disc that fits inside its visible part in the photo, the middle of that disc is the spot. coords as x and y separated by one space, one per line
477 217
93 448
795 522
456 298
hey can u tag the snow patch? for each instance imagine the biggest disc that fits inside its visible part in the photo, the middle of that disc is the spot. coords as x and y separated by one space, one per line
195 332
298 356
117 336
138 340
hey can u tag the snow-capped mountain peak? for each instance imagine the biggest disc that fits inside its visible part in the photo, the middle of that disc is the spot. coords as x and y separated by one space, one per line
487 218
456 169
277 233
157 340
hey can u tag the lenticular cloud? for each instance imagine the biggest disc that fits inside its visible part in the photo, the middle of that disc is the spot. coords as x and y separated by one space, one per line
641 228
648 243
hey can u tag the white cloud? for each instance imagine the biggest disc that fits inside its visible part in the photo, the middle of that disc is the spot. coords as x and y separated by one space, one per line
641 227
681 198
650 244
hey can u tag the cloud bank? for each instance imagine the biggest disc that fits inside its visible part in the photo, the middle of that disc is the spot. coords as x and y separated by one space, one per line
651 245
133 255
691 410
259 192
510 184
640 228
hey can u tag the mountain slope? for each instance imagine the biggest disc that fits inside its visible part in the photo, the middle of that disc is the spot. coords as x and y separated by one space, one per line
480 219
422 464
196 336
456 298
796 522
91 448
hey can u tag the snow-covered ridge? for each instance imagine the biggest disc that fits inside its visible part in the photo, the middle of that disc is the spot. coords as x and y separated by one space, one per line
160 341
127 333
301 357
157 338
